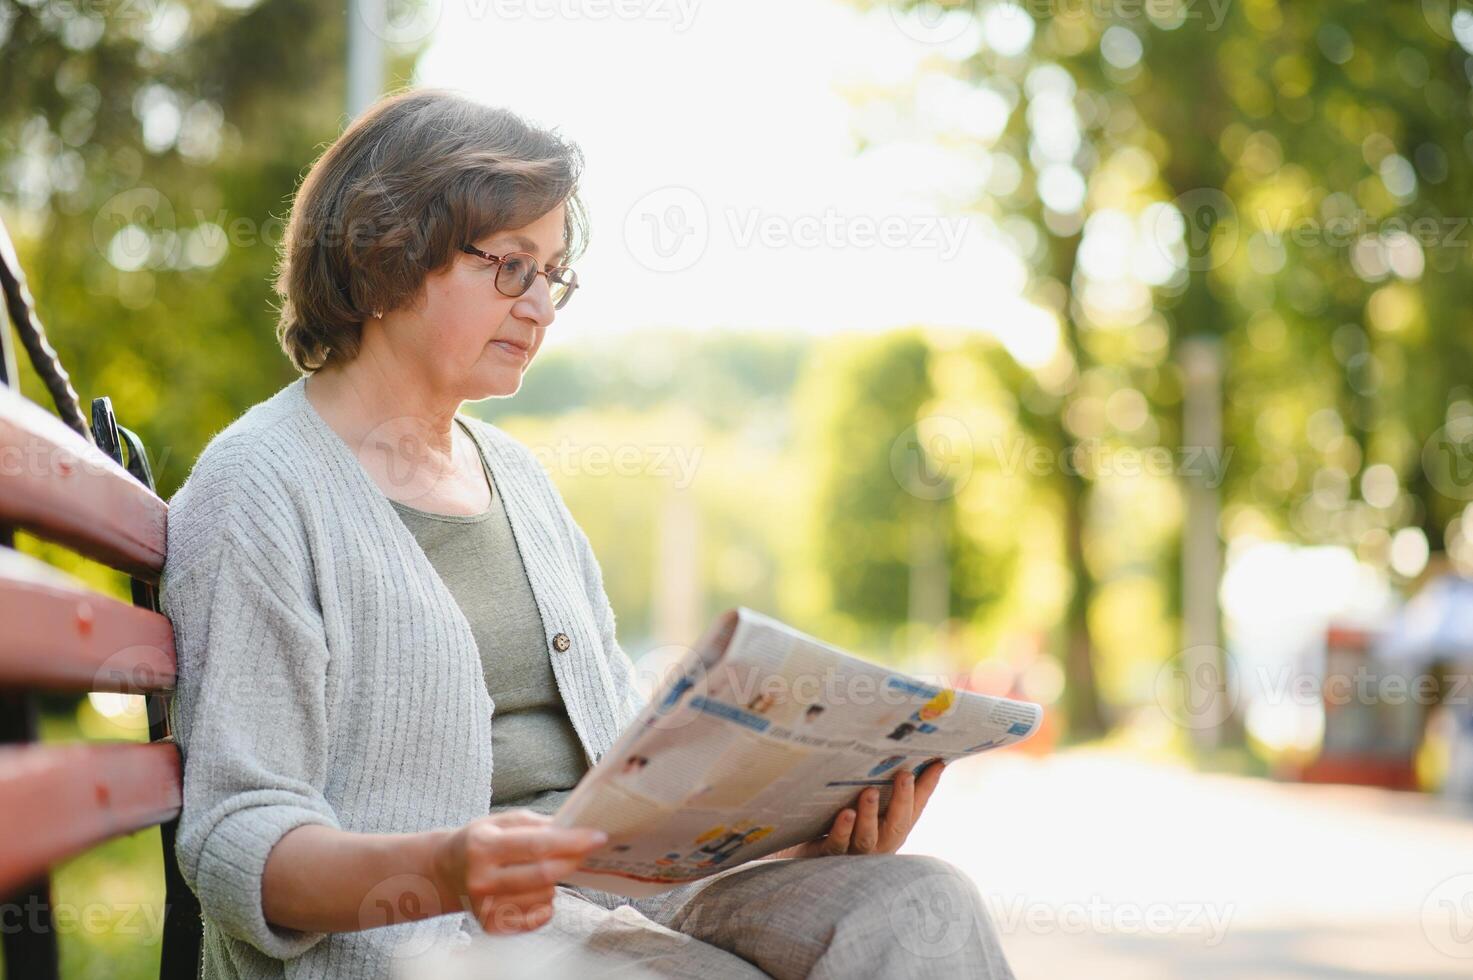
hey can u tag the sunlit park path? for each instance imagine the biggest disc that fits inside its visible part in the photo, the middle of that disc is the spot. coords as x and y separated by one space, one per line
1098 865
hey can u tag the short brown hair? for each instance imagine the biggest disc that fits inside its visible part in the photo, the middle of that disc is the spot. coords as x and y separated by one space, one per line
393 199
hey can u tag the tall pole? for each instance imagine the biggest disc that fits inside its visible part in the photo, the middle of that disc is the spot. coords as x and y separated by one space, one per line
1205 663
366 22
678 591
929 600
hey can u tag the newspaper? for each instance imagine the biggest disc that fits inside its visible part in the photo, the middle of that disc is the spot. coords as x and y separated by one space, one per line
757 738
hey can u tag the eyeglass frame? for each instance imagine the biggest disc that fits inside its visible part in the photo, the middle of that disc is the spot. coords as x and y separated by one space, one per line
572 286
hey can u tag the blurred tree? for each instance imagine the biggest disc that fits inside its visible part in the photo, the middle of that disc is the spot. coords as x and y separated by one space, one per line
1125 159
1039 162
889 457
1282 178
1308 164
150 152
1347 165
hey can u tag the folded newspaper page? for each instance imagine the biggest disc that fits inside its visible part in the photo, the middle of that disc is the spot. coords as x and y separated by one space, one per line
757 739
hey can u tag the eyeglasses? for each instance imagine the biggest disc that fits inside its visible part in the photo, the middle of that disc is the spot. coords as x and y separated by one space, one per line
517 271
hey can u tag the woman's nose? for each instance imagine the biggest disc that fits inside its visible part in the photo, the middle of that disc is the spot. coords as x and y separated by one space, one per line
536 303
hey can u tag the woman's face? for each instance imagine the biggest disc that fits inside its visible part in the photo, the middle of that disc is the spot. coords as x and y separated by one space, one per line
466 339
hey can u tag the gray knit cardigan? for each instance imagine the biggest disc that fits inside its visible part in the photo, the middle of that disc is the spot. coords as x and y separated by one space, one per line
327 676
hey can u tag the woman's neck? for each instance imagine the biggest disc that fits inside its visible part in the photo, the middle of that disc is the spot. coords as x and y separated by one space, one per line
369 406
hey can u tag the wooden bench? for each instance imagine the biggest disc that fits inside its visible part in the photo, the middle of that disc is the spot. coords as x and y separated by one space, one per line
87 486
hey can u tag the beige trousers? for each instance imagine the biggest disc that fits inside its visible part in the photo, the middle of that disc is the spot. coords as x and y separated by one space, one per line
890 917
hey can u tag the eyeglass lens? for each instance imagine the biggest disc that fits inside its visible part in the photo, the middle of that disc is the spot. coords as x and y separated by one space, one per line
519 270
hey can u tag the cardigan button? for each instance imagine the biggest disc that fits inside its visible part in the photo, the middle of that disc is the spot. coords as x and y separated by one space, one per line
560 643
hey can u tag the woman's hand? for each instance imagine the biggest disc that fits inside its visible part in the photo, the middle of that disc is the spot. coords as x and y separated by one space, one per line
861 830
507 865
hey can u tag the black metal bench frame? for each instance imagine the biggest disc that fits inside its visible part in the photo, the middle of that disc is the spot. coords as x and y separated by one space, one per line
30 946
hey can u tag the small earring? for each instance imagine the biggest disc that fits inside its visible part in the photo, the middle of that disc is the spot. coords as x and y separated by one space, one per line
378 314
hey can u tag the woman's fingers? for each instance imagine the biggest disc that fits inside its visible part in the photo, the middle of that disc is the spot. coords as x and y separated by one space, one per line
900 813
926 785
837 842
526 845
507 866
511 879
513 865
867 825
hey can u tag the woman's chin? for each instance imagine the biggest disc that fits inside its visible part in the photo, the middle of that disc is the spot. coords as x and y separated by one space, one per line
498 382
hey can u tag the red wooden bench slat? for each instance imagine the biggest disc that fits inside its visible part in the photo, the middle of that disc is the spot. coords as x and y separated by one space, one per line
60 635
62 799
60 487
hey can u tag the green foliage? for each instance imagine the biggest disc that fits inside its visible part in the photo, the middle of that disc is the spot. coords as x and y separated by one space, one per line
725 377
868 395
892 458
1318 155
1315 158
151 153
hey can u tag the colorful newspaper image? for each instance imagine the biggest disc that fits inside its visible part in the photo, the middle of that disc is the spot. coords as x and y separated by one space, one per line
758 738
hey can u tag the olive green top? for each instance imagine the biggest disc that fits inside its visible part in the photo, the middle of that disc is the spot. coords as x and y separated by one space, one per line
536 755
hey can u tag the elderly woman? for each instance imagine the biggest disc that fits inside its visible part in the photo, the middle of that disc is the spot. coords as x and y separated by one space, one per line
374 596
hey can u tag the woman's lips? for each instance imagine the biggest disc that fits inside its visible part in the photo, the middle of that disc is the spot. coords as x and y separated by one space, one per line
515 350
